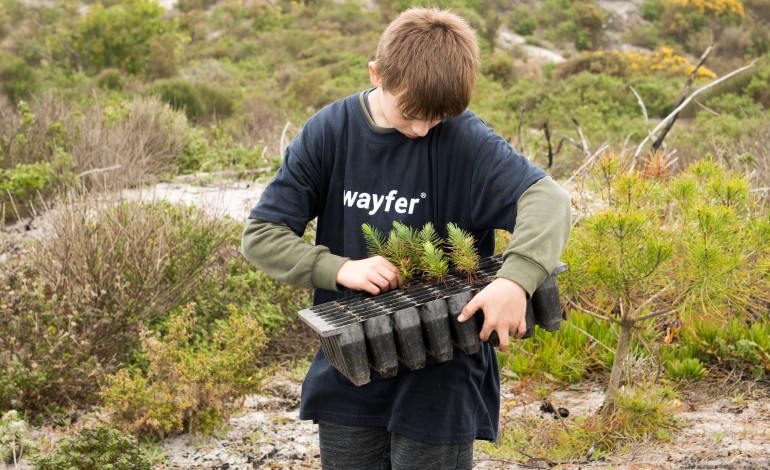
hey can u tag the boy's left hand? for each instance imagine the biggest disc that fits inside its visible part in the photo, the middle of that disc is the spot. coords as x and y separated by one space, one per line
504 303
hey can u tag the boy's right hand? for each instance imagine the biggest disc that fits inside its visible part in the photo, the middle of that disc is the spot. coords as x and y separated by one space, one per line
374 275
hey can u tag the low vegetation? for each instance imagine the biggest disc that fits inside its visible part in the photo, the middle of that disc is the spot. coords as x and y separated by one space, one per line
142 310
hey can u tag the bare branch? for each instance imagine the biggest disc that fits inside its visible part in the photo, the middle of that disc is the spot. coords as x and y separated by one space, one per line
283 137
548 142
651 299
595 315
593 338
703 106
653 315
644 112
679 108
518 132
685 91
583 142
587 162
99 170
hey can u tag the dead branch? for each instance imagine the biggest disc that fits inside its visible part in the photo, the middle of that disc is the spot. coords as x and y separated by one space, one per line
653 315
548 142
587 162
282 149
595 315
518 132
685 91
583 142
651 299
706 108
644 112
687 100
99 170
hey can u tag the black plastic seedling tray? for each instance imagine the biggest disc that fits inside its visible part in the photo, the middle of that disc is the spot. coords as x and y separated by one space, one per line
362 333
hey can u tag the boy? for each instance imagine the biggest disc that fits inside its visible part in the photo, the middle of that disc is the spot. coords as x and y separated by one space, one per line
408 150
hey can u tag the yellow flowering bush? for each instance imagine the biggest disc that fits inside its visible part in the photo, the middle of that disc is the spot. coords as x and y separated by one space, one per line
713 8
662 61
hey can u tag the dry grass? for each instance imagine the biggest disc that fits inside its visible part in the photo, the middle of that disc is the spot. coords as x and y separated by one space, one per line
127 263
120 151
262 127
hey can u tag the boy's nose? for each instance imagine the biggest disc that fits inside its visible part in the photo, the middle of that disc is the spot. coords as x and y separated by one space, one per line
421 128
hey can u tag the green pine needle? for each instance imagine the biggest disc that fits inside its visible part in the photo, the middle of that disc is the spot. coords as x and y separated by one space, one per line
462 250
435 264
375 240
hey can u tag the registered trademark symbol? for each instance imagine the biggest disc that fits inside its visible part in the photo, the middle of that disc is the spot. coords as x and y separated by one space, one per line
423 195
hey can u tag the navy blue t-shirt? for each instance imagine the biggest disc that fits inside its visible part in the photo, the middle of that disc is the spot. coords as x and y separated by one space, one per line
346 171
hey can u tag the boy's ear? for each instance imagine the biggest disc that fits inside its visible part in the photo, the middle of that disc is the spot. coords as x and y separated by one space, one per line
373 77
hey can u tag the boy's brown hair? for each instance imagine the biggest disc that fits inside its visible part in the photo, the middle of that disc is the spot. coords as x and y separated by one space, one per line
429 59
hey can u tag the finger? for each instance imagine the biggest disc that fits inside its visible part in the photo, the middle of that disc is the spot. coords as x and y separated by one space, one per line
487 331
505 340
372 288
388 265
521 330
382 283
468 311
391 278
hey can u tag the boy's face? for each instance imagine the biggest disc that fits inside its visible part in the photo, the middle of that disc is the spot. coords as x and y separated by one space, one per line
388 114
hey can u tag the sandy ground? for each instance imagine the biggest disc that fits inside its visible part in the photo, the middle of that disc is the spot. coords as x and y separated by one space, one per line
718 433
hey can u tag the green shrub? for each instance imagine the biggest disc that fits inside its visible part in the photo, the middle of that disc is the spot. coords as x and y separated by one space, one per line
523 20
735 345
582 345
716 237
19 80
189 381
14 438
590 20
110 79
550 356
27 185
95 448
180 95
217 105
34 161
119 36
163 61
688 370
501 68
652 10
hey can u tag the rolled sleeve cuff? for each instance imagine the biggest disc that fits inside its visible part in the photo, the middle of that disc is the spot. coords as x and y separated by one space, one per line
324 275
523 271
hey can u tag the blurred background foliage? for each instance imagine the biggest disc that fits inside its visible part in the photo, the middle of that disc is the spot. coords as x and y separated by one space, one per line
104 95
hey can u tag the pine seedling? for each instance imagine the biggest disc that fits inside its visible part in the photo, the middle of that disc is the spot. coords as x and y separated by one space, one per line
427 234
434 262
375 240
400 250
462 251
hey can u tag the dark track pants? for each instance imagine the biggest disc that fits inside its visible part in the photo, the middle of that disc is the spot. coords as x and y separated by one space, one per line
363 448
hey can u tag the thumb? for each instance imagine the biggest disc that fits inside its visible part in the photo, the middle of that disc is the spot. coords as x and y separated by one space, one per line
469 309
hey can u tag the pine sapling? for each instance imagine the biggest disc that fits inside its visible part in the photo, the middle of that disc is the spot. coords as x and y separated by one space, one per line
375 240
400 250
434 262
462 251
427 234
